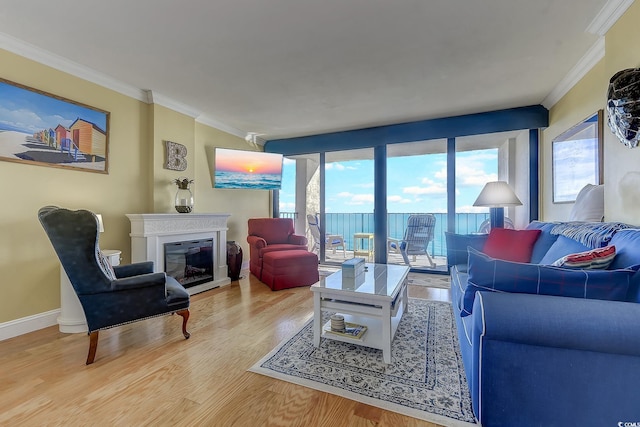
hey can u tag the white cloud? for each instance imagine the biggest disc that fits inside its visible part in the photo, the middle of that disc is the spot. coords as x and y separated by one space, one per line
288 161
398 199
361 199
356 199
287 207
472 209
335 166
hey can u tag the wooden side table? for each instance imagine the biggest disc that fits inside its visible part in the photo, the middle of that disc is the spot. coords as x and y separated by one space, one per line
358 240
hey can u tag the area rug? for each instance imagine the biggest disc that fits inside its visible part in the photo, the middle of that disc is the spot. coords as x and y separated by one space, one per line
440 281
425 379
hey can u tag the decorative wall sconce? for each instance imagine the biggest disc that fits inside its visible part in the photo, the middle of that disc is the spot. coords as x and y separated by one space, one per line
623 106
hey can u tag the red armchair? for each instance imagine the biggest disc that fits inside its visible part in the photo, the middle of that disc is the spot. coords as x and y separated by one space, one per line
268 235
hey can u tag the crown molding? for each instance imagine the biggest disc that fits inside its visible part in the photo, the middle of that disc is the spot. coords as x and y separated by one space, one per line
154 97
586 63
210 121
608 15
60 63
34 53
604 20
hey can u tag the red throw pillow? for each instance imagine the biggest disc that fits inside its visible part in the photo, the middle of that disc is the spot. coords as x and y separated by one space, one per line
511 245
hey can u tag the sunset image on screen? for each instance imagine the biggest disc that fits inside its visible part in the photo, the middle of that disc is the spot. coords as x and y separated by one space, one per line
247 169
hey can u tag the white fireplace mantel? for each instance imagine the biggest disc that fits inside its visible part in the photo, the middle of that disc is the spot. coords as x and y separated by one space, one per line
149 233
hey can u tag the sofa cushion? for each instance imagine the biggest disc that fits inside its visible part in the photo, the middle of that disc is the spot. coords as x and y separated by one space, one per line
511 245
545 239
457 246
598 258
627 243
489 274
561 247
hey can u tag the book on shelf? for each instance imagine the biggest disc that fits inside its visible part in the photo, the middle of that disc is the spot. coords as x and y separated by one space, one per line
352 330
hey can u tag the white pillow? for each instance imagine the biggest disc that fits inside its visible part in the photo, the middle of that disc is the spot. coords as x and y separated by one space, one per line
589 205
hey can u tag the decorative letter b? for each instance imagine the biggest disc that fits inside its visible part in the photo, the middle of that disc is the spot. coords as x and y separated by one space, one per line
176 156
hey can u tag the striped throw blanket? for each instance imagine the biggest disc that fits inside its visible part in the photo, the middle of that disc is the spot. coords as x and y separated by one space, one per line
591 234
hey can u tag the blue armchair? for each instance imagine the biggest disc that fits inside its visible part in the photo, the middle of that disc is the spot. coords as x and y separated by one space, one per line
110 296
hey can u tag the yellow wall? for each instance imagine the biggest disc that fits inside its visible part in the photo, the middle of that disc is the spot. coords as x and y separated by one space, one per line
243 204
136 183
621 165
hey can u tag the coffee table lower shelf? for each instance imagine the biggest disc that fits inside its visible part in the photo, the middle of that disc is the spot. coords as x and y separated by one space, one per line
373 336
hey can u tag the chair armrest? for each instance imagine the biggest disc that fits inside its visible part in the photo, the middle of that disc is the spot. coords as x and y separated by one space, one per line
296 239
560 322
134 269
140 281
554 353
257 242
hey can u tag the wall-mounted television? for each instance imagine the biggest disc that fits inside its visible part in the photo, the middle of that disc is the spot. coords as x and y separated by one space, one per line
247 169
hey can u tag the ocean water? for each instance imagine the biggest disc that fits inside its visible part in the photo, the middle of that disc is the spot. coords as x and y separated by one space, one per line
257 181
346 224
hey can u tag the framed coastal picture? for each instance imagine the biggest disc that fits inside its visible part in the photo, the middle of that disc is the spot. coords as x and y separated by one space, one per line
577 158
43 129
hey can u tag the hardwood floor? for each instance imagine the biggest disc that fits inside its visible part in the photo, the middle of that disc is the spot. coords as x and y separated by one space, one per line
146 373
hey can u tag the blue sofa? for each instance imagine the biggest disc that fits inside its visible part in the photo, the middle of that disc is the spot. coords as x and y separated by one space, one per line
549 360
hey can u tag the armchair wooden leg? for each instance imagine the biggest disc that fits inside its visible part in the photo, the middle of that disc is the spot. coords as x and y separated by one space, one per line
185 318
93 346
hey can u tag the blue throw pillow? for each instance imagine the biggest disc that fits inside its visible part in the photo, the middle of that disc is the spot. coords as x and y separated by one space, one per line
563 246
490 274
545 240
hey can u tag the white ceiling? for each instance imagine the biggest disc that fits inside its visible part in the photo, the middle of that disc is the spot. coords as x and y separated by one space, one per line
285 68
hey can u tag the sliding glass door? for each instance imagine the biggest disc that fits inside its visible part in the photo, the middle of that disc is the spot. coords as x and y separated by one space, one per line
430 189
417 204
348 205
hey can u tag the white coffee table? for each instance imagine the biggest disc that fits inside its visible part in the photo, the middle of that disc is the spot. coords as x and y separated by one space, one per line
378 303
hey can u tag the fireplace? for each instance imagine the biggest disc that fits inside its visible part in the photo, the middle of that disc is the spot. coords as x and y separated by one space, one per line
153 234
189 262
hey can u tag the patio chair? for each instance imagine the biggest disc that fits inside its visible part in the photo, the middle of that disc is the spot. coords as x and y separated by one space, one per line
332 241
485 226
418 234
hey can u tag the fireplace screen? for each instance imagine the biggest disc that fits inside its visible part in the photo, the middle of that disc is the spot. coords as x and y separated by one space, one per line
190 262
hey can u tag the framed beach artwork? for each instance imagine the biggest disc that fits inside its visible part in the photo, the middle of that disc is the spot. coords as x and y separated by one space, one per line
43 129
577 159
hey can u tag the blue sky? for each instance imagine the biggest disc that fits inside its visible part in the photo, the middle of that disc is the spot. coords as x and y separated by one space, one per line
29 112
414 184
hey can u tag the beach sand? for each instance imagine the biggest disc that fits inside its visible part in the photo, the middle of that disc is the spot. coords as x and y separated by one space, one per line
13 143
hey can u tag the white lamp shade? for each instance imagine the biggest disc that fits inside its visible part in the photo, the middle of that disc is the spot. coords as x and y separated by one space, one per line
496 194
100 223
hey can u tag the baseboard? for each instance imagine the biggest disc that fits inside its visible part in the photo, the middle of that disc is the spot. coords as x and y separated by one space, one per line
28 324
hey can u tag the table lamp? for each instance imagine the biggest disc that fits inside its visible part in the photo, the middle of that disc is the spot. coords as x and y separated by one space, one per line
496 195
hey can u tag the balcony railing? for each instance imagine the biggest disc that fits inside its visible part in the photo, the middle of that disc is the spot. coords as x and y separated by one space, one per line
346 224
